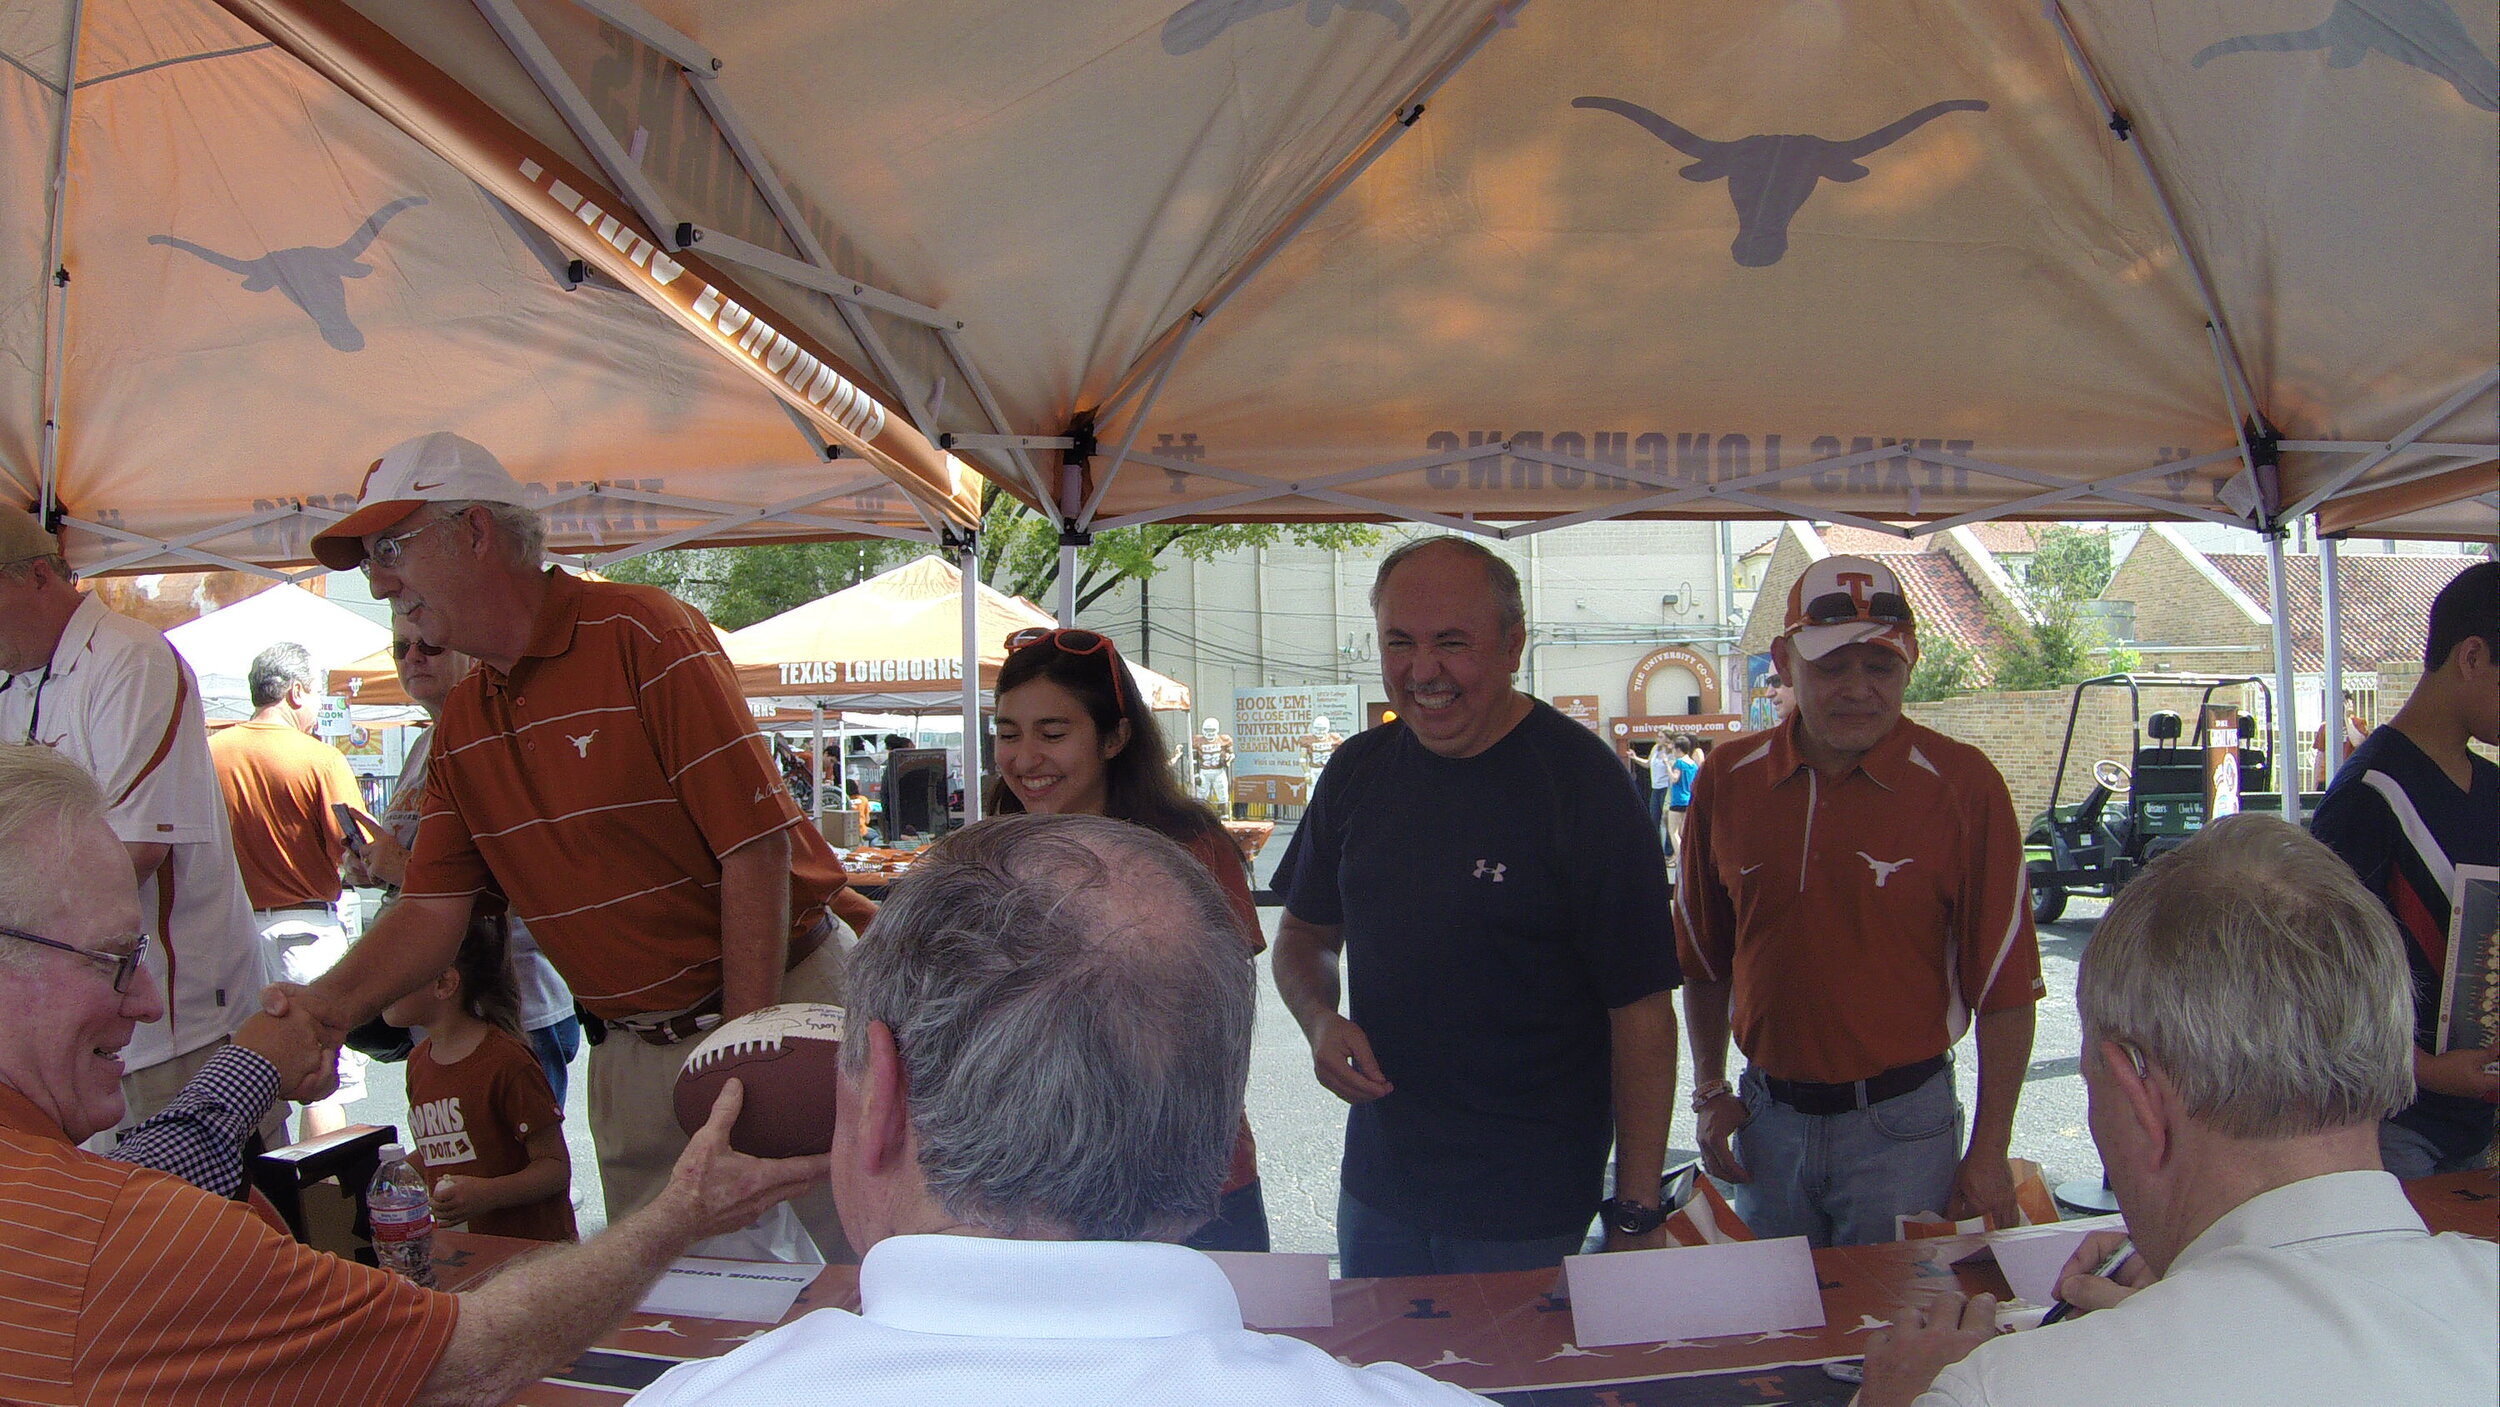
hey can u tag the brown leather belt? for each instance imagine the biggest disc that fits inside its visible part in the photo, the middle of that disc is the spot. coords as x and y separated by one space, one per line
705 1014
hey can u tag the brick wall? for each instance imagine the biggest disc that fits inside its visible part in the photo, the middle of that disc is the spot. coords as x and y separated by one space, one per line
2177 605
2022 732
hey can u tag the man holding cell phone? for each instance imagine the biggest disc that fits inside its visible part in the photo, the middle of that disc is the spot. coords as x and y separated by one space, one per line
293 806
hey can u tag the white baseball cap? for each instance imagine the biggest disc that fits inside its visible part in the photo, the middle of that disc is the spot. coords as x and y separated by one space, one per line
1845 600
440 467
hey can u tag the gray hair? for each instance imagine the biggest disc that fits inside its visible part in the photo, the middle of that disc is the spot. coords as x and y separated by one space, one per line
523 531
2254 969
24 567
1072 1004
281 667
1499 576
45 800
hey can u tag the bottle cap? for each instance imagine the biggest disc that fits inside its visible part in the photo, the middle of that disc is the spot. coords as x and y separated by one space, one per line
392 1152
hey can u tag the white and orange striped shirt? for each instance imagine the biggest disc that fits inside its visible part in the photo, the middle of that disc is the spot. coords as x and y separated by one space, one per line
598 784
1861 921
115 699
121 1284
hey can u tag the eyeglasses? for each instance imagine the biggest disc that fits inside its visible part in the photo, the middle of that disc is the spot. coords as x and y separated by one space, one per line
1841 608
122 964
401 648
388 552
1076 642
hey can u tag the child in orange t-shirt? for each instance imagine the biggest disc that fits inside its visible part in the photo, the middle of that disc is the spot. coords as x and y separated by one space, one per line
485 1129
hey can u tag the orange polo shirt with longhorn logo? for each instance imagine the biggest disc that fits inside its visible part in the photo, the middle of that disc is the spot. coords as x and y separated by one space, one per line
122 1284
1861 920
597 786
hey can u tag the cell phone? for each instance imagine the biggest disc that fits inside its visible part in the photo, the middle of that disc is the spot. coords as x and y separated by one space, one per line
351 825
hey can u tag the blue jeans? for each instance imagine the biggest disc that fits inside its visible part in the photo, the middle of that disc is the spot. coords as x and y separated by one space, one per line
1371 1242
1239 1224
556 1046
1840 1179
2406 1154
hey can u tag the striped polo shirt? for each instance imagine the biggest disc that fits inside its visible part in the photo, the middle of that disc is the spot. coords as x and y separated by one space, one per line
598 784
121 1284
1861 920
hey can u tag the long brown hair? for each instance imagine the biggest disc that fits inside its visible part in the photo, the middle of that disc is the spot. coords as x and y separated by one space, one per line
1138 783
487 991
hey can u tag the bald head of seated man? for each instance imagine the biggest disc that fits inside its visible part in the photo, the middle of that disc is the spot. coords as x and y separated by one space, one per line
125 1284
2247 1021
1042 1072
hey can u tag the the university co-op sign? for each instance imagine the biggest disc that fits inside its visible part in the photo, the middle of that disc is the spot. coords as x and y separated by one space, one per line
1283 737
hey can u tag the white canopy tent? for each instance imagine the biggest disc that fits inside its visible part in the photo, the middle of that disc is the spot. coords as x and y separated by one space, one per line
221 645
893 644
1504 267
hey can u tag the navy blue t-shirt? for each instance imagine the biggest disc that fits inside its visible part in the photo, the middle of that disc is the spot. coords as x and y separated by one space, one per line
2401 824
1495 908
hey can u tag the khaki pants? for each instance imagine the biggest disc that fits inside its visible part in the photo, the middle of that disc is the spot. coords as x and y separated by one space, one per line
633 1121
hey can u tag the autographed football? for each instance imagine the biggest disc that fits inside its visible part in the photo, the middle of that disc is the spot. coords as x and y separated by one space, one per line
785 1056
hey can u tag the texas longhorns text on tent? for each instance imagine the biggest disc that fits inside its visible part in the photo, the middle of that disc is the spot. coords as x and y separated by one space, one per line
231 284
893 644
1538 263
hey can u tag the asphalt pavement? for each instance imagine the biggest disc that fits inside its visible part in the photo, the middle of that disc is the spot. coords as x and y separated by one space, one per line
1301 1127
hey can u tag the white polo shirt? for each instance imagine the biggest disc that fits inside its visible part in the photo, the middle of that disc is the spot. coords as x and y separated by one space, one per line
2324 1291
954 1319
118 701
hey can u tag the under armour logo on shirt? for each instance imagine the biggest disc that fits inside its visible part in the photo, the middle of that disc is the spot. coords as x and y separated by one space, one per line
1883 868
581 745
1486 869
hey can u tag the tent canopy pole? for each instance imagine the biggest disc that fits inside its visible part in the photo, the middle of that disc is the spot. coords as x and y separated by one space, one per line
2286 717
2331 710
56 299
968 560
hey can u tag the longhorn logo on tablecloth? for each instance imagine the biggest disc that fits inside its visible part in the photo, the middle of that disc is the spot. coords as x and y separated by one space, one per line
1195 25
2425 34
313 277
1770 175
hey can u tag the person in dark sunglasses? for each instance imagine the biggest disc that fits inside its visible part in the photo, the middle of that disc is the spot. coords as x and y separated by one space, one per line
1074 738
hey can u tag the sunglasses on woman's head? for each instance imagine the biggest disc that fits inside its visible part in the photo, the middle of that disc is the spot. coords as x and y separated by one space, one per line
1071 641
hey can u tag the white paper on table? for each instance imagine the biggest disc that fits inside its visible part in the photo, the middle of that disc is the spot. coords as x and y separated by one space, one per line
1693 1292
2031 1256
749 1291
1279 1290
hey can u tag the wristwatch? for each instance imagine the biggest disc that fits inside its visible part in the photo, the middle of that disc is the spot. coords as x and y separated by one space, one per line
1631 1218
1709 1090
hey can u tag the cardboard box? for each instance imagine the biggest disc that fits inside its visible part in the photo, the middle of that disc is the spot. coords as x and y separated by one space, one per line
840 827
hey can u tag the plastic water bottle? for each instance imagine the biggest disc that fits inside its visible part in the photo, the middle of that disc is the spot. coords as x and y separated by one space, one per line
402 1217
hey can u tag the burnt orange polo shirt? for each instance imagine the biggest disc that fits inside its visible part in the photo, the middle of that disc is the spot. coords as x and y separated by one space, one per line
280 784
121 1284
1862 921
597 786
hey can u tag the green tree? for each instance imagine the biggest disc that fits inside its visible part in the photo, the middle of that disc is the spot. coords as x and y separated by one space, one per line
1020 549
738 586
2056 640
1943 672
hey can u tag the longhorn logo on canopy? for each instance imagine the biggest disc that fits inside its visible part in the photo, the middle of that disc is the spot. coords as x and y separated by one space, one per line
2425 34
1770 175
1195 25
313 277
